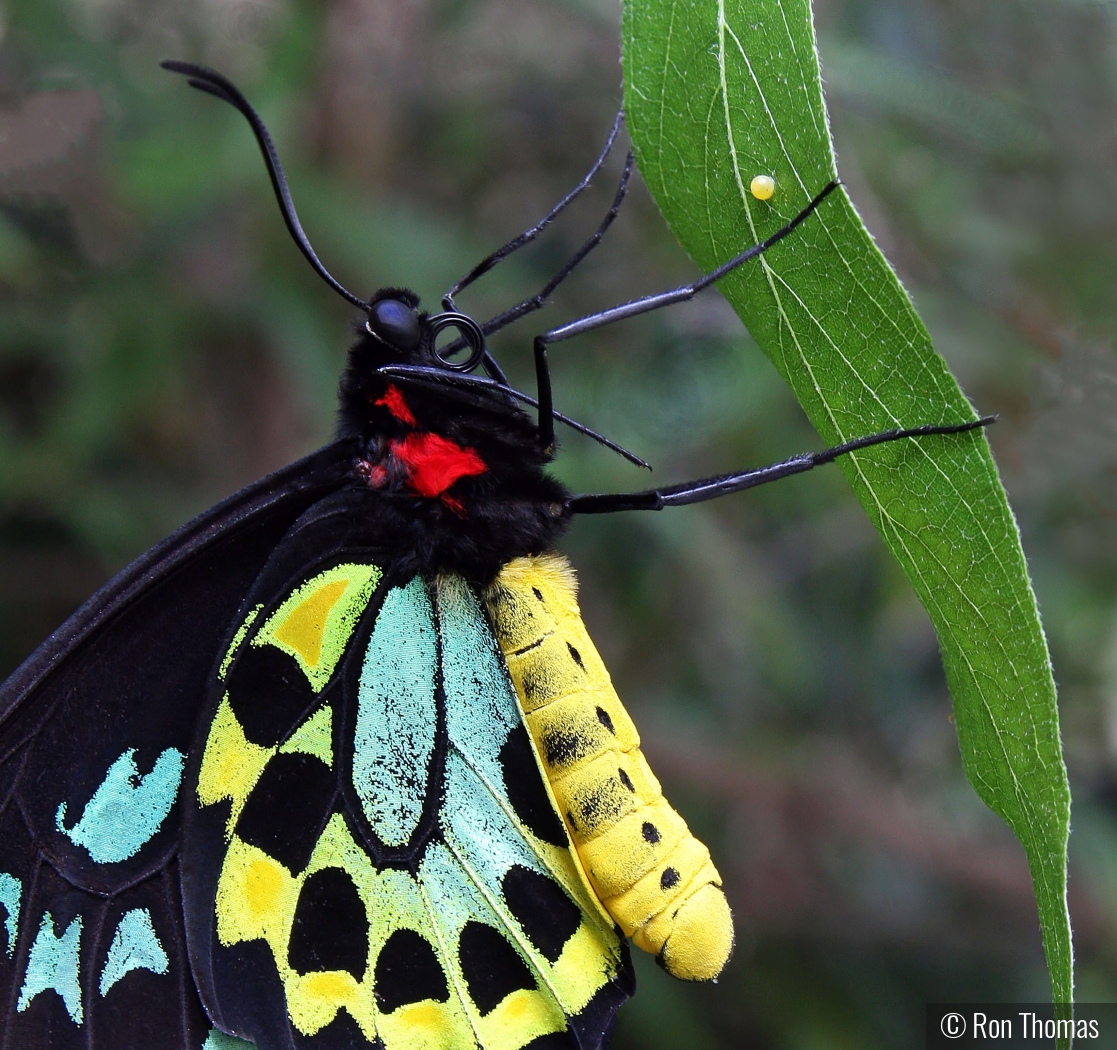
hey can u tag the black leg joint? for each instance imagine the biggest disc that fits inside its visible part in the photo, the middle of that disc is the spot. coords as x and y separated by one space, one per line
543 384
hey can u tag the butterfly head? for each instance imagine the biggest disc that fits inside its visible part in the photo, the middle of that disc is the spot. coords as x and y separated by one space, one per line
401 353
407 335
404 379
457 468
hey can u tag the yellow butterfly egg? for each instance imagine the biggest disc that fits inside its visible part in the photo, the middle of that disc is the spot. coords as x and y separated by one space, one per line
762 187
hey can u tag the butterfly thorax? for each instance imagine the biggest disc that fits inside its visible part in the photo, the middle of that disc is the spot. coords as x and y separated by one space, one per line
460 474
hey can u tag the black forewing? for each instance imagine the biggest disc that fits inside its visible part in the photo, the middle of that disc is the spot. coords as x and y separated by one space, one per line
127 673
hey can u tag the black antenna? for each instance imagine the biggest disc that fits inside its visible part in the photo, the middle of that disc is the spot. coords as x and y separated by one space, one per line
213 83
486 264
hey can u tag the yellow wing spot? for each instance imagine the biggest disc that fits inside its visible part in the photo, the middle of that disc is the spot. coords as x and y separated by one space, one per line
314 999
306 623
256 898
262 886
422 1015
316 621
520 1016
428 1026
231 764
762 187
333 987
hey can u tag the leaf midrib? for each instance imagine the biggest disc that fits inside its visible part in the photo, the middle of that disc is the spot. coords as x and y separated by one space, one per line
1026 811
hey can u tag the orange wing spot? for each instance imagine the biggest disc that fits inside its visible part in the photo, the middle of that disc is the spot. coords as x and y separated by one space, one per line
305 624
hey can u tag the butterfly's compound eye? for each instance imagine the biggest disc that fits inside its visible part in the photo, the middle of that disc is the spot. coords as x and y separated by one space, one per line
396 323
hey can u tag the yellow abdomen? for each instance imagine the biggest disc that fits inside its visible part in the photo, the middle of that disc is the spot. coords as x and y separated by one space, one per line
653 877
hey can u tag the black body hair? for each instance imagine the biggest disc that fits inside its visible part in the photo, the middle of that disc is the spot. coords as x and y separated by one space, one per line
455 466
514 508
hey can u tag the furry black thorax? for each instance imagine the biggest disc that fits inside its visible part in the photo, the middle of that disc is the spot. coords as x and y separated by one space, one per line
503 505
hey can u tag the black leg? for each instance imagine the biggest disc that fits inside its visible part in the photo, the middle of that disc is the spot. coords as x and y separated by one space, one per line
643 306
686 291
723 485
535 302
543 385
486 264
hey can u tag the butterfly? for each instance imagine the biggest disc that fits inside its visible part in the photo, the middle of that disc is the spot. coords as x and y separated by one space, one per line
337 764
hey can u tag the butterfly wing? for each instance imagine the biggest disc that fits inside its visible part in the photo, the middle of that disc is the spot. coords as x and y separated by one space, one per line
371 856
94 730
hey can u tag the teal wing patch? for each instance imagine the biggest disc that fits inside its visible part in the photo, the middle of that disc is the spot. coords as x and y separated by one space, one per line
396 717
11 890
135 946
53 966
127 810
421 891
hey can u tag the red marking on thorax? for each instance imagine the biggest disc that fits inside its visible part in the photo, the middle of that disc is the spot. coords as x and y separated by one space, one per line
434 463
393 401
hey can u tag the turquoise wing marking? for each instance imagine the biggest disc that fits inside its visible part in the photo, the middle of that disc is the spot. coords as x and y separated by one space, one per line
53 964
481 706
127 809
457 896
134 947
220 1041
479 831
11 889
481 710
396 717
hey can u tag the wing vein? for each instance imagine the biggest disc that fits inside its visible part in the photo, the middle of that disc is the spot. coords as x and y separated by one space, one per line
525 949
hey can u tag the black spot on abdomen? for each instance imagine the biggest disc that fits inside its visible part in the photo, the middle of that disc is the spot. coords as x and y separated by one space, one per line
669 878
526 793
605 720
330 931
408 971
562 747
288 808
575 656
492 968
548 916
268 693
650 832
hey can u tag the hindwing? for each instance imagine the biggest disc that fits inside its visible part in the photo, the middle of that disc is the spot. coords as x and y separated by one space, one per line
251 792
372 855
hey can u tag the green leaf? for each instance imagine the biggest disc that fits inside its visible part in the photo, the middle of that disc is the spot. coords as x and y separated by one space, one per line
716 92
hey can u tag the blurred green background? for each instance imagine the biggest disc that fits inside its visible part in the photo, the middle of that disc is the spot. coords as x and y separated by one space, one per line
162 343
